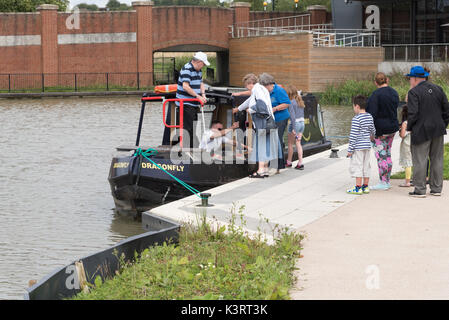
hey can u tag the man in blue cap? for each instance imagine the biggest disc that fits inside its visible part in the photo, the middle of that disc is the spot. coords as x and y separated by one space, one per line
428 117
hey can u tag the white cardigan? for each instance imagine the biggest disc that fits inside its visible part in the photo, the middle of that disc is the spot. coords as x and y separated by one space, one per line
259 92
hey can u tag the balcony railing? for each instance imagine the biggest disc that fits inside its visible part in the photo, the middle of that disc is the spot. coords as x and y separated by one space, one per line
265 27
346 38
435 52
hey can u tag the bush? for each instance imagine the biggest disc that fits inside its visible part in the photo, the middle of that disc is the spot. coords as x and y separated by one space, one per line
342 93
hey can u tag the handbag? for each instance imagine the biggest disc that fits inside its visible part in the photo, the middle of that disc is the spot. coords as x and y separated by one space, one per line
270 124
266 121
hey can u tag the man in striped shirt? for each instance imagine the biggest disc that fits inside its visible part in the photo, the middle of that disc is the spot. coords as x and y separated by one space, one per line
362 132
190 86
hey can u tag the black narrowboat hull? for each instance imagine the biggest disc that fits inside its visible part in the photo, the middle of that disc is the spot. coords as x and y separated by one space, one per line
138 184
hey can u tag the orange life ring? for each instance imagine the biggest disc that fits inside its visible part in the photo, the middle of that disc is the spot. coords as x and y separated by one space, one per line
166 88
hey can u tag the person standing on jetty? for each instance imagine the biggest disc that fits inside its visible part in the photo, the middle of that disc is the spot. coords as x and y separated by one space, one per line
382 105
266 146
405 154
362 131
296 127
280 103
428 118
190 86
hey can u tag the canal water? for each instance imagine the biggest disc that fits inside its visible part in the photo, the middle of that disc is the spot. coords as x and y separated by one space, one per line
55 201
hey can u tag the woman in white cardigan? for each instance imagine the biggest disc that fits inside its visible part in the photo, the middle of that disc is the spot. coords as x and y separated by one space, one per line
265 143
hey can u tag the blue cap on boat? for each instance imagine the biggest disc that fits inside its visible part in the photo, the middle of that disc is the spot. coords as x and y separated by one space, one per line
417 72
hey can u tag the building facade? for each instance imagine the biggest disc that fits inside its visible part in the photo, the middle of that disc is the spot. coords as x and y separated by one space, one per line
411 21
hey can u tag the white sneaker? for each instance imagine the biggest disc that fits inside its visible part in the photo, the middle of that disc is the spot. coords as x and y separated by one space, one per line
381 186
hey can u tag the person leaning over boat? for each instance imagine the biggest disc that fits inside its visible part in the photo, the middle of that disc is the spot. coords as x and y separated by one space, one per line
428 118
382 105
280 103
213 138
266 146
249 81
190 85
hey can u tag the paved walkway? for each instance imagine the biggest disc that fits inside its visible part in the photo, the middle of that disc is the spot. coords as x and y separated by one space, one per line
385 245
403 240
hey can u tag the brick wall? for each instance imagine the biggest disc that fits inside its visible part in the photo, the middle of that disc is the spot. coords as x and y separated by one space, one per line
179 25
286 57
292 59
20 58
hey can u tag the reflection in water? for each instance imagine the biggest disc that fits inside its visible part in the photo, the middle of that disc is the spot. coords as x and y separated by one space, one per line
337 122
55 199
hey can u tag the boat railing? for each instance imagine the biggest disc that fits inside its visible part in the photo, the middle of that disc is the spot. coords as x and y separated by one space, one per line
179 126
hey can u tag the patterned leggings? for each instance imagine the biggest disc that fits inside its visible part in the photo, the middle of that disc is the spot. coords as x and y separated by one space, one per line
382 150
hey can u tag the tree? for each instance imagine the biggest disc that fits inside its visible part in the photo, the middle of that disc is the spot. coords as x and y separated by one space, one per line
89 7
208 3
115 5
289 5
30 5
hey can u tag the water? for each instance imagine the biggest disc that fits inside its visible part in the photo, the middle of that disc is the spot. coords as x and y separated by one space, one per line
337 123
55 199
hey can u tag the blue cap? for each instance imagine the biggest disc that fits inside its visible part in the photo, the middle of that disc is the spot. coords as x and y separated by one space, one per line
417 72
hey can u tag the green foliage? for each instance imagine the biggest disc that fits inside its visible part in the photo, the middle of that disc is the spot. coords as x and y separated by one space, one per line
89 7
208 263
342 93
29 5
401 175
208 3
288 5
115 5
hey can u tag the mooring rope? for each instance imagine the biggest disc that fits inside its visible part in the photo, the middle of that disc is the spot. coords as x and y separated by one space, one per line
151 152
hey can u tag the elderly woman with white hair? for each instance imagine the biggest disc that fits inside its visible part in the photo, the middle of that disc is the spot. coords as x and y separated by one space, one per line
266 145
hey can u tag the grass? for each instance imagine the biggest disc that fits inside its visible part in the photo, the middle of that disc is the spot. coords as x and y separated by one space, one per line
401 175
342 93
208 263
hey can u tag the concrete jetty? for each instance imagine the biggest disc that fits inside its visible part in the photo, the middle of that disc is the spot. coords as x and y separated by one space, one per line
384 245
293 198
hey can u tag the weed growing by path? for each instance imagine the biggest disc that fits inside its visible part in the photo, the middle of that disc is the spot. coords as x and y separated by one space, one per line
209 262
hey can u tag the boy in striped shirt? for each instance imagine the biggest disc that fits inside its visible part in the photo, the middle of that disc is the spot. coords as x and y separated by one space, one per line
362 132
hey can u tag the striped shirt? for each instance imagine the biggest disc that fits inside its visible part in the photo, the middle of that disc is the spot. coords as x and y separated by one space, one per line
362 127
193 78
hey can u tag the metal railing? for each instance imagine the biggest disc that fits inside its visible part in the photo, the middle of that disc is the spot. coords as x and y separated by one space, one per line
434 52
323 34
265 27
346 38
74 82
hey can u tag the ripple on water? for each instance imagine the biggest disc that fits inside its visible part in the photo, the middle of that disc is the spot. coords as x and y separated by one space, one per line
56 202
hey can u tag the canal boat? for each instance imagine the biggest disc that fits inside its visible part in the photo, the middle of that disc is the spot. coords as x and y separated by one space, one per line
142 177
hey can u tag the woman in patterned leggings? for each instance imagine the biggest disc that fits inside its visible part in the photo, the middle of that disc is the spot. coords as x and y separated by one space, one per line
382 105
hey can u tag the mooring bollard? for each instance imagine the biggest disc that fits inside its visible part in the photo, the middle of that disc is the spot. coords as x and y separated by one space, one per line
205 200
334 153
